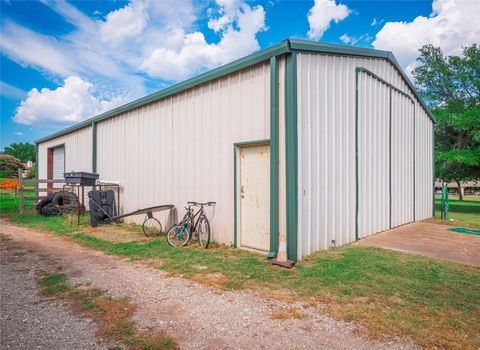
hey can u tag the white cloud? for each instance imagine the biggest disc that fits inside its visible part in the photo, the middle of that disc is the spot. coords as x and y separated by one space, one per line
353 40
451 25
18 133
126 53
237 25
126 22
70 103
322 14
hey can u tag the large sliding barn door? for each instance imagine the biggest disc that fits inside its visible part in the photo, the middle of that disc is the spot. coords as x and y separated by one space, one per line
385 155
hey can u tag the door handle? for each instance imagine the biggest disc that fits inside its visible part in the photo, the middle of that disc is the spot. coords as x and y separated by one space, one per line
242 192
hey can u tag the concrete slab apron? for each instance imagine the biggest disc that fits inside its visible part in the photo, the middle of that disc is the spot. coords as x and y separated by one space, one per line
430 240
198 317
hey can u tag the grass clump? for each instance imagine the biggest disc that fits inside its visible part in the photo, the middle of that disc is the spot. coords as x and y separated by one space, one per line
113 316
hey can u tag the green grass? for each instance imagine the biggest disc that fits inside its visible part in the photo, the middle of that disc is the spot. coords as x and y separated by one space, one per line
59 225
463 213
54 284
10 201
436 303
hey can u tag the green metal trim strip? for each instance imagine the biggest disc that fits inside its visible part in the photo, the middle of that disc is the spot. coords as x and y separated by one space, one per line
235 207
274 196
235 197
414 160
94 147
291 153
390 161
283 47
356 154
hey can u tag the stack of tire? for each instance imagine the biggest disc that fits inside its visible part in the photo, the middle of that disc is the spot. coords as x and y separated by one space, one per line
58 203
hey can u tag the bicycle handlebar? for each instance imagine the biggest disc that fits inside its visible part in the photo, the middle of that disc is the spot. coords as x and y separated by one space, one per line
202 204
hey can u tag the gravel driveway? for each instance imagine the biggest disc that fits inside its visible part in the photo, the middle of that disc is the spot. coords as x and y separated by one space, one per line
28 321
198 317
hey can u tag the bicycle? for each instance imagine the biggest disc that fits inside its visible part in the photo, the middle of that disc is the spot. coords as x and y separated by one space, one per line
180 234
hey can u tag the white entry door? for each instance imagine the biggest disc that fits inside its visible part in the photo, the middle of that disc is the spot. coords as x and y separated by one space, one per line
254 196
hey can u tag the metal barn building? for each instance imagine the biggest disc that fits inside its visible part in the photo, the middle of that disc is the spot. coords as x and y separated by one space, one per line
316 144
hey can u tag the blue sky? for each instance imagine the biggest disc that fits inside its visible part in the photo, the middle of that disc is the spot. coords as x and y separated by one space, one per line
63 62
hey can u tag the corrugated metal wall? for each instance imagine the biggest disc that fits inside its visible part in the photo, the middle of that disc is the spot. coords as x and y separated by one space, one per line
78 151
181 148
326 151
402 160
373 155
423 165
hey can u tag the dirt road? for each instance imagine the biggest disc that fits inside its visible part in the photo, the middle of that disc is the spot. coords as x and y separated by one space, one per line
198 317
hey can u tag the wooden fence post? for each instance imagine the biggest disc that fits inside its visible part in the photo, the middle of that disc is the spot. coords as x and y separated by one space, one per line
20 191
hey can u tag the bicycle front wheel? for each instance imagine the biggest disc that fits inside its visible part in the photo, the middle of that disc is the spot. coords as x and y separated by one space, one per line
204 232
178 235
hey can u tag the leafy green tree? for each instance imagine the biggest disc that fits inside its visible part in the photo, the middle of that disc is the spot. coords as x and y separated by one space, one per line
23 151
9 166
451 87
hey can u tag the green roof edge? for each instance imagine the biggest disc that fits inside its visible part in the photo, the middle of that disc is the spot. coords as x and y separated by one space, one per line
283 47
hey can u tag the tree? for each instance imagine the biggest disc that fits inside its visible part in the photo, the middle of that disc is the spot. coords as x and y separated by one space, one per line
451 87
9 166
23 151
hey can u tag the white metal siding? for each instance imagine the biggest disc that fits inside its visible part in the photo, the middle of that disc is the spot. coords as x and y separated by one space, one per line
181 148
78 151
326 152
58 162
373 155
402 159
423 165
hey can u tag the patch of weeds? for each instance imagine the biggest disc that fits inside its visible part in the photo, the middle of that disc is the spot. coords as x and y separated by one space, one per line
113 316
55 284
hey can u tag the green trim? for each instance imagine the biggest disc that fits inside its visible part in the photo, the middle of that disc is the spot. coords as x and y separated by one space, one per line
291 153
235 208
94 147
414 160
251 143
274 227
356 154
235 197
390 161
283 47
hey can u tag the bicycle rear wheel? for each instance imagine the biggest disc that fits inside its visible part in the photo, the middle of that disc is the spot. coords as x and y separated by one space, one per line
204 232
151 227
178 235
